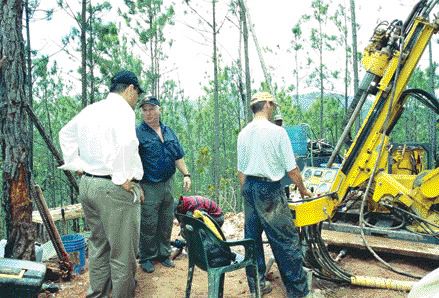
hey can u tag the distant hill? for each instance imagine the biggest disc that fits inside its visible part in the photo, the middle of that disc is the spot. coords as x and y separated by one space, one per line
307 99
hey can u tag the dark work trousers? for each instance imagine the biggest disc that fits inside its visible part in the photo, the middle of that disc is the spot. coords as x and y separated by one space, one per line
157 215
266 209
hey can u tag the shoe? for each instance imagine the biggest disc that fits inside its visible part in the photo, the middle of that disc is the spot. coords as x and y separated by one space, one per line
315 294
168 263
266 287
50 287
148 267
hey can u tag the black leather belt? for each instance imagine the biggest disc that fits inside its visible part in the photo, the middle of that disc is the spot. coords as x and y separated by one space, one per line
264 179
106 177
97 176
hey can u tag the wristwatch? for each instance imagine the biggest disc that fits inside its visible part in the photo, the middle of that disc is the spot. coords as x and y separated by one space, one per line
187 175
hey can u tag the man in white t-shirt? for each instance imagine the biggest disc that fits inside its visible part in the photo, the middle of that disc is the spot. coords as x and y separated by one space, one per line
264 155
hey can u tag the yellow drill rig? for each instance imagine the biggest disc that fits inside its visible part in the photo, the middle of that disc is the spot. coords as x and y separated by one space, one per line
389 60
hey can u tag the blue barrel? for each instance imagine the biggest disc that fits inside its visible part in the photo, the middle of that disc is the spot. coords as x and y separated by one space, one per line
298 139
75 245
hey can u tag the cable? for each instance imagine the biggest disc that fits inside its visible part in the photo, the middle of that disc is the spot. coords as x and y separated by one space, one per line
321 257
415 12
375 168
428 99
430 7
402 224
411 214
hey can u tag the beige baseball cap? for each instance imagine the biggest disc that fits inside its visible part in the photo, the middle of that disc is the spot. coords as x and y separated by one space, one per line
262 96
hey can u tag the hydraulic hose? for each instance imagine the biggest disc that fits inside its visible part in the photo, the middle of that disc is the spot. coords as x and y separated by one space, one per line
382 283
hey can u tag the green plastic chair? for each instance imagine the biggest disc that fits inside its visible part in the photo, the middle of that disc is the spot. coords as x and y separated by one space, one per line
199 240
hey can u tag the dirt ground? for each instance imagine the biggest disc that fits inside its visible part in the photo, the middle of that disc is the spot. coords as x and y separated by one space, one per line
166 282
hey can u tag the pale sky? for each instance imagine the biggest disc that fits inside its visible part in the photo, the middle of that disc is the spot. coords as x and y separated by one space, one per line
189 58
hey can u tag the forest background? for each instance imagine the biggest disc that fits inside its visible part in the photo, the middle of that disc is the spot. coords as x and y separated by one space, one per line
203 59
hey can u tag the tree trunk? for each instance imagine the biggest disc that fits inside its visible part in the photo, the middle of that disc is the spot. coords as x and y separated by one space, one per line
354 53
297 32
29 86
90 53
322 133
84 53
242 94
433 116
216 171
151 49
299 107
157 50
346 66
50 177
259 51
192 167
248 88
14 133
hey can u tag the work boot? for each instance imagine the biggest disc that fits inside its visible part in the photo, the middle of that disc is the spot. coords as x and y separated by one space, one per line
266 287
148 266
168 263
315 294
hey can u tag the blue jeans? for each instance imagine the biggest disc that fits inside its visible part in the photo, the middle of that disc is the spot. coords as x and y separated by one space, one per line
266 209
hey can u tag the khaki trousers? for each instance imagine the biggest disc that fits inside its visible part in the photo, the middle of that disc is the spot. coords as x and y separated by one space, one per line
113 216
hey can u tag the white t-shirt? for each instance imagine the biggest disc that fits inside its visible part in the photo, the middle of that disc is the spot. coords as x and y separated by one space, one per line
264 150
101 140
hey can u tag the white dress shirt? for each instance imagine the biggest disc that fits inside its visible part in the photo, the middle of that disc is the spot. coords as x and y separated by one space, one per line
264 150
101 140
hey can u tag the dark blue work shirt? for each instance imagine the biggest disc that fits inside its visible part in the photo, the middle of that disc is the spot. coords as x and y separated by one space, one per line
158 158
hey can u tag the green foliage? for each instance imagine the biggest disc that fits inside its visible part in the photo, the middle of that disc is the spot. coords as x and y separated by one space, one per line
54 109
417 121
148 19
291 113
332 118
322 43
116 55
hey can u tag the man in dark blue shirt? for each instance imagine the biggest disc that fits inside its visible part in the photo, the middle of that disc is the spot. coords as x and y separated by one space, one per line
161 153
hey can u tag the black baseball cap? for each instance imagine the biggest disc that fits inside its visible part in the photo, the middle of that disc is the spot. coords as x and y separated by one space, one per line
151 100
126 77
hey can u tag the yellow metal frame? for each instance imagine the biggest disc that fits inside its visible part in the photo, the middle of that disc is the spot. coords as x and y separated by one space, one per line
312 212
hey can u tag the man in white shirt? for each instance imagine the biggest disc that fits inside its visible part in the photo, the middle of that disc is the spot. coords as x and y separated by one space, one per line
100 144
264 155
